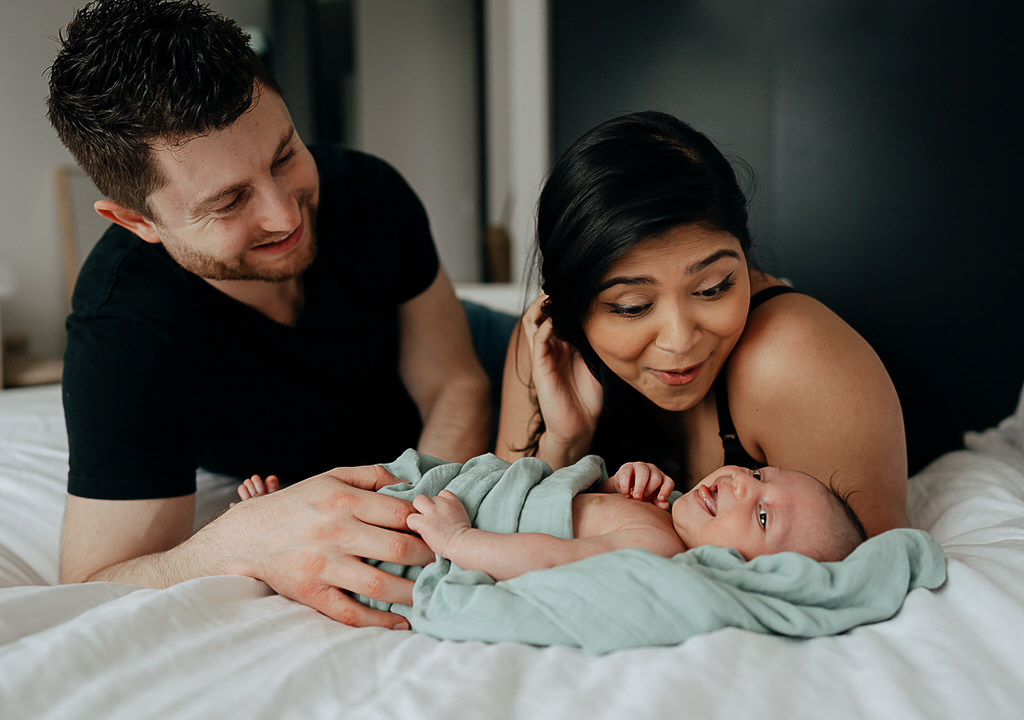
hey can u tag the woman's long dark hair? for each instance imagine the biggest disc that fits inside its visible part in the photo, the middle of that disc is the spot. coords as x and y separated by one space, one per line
625 181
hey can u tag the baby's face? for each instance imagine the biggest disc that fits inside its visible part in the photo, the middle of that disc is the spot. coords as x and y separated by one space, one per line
757 512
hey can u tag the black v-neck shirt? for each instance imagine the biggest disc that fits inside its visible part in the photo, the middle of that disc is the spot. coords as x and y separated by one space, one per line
165 374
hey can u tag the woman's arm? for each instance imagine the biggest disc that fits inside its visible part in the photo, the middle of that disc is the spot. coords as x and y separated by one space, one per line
807 392
545 375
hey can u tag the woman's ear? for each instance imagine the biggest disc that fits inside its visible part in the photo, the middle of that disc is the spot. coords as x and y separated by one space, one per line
128 219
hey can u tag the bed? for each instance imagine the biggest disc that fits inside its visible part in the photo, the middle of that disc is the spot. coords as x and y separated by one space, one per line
228 647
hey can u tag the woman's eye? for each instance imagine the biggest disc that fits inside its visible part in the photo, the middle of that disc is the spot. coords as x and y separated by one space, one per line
762 518
713 293
627 310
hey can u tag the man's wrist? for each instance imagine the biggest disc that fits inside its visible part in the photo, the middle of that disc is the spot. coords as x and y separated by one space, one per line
220 548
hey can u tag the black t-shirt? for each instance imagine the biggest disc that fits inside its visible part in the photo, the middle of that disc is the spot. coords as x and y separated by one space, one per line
163 373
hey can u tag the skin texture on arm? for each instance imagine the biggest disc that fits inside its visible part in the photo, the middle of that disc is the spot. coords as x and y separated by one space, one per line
442 374
807 392
546 374
444 525
305 541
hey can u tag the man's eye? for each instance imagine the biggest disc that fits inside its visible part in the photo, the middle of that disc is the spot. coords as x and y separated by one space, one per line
231 205
283 160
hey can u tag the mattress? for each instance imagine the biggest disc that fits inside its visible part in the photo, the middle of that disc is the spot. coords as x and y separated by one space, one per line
229 647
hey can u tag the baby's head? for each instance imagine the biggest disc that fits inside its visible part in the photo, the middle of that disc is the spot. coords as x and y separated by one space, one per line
771 510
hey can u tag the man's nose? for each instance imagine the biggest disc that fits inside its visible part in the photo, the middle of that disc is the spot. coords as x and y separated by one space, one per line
280 209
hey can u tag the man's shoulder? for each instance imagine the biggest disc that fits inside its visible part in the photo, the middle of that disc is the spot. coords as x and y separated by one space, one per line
123 274
358 175
338 163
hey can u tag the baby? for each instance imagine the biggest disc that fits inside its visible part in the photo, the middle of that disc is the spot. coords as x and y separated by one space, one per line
756 512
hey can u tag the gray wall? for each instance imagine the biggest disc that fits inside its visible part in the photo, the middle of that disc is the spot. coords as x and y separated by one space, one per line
887 155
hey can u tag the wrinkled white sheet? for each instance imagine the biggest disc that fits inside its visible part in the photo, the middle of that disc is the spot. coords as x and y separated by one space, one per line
227 647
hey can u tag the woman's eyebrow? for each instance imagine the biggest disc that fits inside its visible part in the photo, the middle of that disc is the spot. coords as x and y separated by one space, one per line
711 260
625 280
692 269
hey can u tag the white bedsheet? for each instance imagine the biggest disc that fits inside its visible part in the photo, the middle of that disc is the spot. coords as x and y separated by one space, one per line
226 647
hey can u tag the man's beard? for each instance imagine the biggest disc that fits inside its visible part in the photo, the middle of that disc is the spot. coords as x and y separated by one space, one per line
211 268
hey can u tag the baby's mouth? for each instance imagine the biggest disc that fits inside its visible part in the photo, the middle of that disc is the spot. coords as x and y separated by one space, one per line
708 495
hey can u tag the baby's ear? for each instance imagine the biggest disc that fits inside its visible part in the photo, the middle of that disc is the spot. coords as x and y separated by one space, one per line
128 219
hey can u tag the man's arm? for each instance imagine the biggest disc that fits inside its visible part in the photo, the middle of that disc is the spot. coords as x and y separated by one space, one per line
107 539
442 374
305 541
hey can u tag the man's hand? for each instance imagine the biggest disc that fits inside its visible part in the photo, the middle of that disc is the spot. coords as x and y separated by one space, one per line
307 542
439 520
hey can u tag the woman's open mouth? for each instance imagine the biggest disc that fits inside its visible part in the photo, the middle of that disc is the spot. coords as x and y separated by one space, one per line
677 376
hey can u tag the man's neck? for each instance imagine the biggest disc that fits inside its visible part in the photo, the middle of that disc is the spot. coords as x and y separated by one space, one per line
279 301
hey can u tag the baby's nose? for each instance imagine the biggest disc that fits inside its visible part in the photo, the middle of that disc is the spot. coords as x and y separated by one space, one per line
739 483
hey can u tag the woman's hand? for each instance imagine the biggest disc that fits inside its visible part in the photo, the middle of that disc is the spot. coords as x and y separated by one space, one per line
568 394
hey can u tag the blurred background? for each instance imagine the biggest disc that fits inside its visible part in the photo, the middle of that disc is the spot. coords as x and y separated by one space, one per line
882 135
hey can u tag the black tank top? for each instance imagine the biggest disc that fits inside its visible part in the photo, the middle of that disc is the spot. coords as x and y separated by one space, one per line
735 454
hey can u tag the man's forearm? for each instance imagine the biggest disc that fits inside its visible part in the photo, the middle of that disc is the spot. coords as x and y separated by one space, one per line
206 553
459 424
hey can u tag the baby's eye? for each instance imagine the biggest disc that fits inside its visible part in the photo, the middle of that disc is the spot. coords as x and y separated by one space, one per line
762 518
757 475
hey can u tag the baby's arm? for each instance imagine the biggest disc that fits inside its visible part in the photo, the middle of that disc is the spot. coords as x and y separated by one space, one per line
641 481
444 525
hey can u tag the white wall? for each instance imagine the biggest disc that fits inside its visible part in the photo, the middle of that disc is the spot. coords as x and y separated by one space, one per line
29 156
415 100
518 119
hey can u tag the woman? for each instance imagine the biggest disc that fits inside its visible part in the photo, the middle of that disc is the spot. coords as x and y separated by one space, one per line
654 338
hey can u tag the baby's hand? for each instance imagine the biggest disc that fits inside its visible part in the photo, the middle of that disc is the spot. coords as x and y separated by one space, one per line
255 486
642 481
439 520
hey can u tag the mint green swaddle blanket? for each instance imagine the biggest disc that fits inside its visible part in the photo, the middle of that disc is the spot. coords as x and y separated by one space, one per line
633 598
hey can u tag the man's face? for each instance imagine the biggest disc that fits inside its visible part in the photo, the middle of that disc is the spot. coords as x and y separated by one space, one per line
240 203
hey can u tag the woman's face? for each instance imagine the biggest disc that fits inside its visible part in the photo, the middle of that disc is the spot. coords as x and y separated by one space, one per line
668 313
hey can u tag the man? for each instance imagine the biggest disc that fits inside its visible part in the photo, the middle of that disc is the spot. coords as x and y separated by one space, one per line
256 308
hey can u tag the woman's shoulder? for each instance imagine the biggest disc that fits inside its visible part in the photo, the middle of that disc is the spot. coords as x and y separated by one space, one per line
808 392
793 349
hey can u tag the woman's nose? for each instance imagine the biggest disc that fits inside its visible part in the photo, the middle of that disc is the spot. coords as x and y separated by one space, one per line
677 334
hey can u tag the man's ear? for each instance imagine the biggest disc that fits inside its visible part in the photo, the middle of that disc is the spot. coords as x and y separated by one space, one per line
128 219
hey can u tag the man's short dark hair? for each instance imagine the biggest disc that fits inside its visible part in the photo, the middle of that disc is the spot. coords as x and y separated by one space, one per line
133 74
